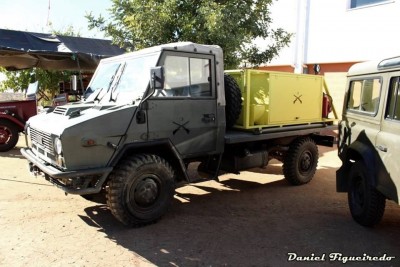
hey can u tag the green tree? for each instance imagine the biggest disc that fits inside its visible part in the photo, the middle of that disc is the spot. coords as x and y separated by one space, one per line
231 24
48 80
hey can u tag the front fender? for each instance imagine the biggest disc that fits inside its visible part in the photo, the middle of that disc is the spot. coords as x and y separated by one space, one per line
357 151
363 150
18 123
163 147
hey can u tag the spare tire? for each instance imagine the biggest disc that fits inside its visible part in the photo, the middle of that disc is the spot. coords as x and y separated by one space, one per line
233 99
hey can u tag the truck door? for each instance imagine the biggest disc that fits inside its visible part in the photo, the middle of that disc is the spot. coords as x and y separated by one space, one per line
388 139
185 111
360 115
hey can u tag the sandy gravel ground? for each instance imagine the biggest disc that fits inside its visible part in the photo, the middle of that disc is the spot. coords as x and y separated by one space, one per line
252 219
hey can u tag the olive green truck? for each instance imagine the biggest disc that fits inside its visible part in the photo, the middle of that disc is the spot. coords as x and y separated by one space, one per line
149 114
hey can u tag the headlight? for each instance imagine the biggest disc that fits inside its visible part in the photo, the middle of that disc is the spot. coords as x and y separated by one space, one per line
57 146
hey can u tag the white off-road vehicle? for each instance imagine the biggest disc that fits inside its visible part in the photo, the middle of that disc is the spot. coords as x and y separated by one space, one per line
369 142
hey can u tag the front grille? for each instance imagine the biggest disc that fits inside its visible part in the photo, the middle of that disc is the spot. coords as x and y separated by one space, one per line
42 141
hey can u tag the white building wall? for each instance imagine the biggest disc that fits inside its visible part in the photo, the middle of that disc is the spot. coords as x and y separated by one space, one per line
284 15
335 33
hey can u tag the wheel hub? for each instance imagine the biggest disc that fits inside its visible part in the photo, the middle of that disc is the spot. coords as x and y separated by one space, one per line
306 162
146 192
4 135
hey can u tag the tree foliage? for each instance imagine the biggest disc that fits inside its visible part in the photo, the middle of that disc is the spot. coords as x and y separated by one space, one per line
231 24
48 80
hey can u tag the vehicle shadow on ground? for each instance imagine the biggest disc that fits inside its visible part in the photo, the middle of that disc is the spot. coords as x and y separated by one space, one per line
13 153
242 223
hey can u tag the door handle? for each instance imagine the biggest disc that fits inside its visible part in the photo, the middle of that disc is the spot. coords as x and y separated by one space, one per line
208 117
382 148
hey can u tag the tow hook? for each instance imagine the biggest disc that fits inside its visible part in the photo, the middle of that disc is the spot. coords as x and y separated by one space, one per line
33 169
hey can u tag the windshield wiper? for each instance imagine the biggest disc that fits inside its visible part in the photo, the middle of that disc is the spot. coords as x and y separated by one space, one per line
116 84
113 99
97 96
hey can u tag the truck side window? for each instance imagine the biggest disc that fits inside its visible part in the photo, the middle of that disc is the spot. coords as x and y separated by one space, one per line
364 95
186 77
177 81
200 77
393 106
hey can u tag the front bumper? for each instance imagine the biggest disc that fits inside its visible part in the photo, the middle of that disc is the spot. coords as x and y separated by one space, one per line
54 175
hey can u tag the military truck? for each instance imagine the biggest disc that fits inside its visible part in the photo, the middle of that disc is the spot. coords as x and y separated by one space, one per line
153 112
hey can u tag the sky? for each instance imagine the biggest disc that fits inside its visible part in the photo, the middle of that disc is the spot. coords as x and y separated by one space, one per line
34 15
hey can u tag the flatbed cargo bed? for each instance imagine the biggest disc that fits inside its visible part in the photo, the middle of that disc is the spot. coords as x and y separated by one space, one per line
235 136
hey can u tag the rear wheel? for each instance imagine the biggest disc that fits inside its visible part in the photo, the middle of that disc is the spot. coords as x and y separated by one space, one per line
366 204
8 135
300 162
141 189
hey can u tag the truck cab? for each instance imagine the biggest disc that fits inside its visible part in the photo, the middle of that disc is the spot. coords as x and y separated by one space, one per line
369 139
115 119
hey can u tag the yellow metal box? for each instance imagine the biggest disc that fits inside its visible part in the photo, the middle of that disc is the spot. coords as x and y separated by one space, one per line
278 98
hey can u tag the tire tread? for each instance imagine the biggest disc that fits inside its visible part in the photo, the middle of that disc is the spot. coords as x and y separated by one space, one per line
116 185
290 161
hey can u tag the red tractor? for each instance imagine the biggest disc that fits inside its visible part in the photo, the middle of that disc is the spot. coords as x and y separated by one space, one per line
13 116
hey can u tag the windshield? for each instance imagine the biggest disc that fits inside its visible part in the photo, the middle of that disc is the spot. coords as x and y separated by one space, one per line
128 80
101 81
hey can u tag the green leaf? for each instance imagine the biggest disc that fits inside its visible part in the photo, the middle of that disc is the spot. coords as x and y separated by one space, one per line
233 25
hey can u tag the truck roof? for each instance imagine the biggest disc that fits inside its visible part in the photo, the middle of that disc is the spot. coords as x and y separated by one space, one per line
179 46
375 66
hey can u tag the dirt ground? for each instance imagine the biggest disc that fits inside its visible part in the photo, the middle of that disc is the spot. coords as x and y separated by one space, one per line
252 219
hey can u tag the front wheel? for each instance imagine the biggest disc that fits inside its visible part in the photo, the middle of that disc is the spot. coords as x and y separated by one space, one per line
300 161
366 204
141 189
8 135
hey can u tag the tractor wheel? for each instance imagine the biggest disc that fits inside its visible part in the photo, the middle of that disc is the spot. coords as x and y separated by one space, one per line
140 190
8 135
233 98
300 162
366 204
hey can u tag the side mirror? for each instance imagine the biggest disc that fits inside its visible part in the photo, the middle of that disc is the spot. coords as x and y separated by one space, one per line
157 78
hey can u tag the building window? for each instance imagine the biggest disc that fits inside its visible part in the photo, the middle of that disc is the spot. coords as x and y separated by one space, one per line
362 3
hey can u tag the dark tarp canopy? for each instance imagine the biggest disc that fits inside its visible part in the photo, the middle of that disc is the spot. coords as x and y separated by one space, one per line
23 50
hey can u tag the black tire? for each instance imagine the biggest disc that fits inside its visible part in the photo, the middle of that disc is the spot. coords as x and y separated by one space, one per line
8 135
140 190
366 204
233 99
300 161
